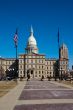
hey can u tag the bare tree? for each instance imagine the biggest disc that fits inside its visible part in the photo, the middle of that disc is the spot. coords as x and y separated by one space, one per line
1 72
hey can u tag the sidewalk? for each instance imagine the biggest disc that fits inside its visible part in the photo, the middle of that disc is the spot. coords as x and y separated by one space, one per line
45 95
8 101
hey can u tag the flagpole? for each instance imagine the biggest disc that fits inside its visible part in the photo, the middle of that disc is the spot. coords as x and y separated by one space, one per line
58 45
16 61
58 54
16 52
57 65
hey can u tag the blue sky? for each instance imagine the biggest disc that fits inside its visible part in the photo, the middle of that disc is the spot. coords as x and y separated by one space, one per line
45 16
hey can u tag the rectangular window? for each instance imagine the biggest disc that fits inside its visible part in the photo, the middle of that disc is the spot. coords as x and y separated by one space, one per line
27 61
39 75
20 66
20 61
9 62
20 72
6 62
35 75
31 61
39 72
39 61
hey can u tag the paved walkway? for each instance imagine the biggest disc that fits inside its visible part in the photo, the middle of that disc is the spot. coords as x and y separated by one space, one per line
38 95
8 101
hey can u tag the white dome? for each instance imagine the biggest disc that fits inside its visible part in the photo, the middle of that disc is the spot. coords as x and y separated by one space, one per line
32 44
31 39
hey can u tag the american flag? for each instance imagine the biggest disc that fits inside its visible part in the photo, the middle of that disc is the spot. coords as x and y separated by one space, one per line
16 38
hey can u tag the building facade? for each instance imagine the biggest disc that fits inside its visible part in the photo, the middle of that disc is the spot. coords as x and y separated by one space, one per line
63 61
7 66
35 64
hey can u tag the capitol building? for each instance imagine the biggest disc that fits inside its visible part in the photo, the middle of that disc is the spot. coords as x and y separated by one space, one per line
35 64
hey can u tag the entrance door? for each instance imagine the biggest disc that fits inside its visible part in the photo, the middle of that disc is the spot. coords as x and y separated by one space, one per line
32 74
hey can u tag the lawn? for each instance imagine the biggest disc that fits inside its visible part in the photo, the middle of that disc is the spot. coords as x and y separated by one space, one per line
6 86
67 82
